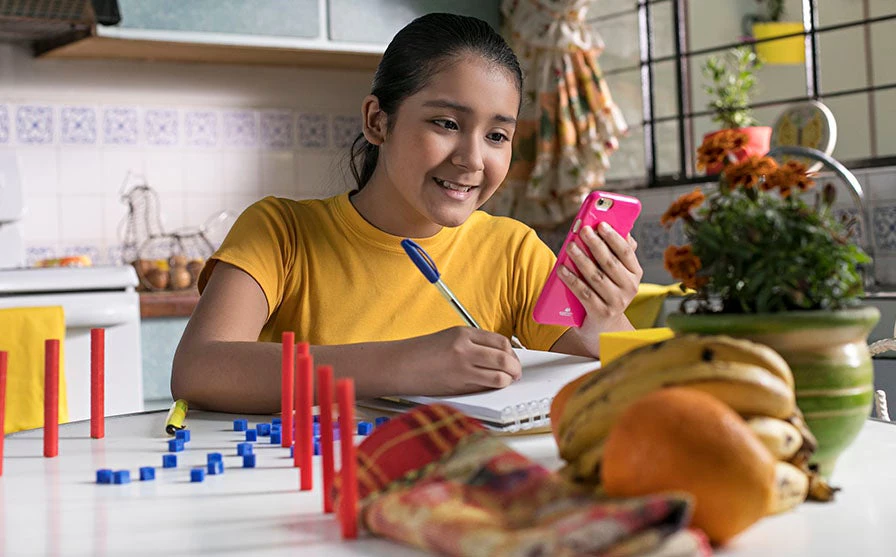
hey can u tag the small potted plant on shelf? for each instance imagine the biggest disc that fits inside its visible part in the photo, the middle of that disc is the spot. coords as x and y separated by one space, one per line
767 260
767 24
731 80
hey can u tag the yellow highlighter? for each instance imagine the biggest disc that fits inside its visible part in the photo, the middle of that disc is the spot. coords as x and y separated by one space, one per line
176 417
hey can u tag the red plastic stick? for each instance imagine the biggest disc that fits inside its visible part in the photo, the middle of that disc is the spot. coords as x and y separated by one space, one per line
348 507
286 395
325 403
303 348
51 397
304 433
97 383
3 360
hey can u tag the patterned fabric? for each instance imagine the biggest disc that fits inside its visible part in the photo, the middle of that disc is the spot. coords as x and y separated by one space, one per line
435 479
568 125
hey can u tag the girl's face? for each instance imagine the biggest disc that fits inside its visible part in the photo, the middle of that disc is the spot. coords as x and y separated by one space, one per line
446 153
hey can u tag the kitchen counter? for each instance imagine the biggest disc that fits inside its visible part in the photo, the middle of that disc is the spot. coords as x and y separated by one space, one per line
177 303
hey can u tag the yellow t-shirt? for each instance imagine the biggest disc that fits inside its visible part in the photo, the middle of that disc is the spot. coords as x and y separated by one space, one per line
333 278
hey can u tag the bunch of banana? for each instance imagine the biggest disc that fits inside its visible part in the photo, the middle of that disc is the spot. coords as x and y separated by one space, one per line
751 378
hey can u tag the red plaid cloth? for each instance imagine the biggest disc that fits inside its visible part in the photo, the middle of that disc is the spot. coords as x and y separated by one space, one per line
435 479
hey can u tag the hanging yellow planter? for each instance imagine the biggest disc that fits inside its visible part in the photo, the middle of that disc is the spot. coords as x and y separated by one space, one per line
791 50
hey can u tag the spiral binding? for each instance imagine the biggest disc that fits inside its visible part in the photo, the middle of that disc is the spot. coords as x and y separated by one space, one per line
527 415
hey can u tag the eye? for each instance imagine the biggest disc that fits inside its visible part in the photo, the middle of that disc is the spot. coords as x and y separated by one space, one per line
497 137
445 123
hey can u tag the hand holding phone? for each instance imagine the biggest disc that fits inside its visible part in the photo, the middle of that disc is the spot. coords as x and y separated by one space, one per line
557 305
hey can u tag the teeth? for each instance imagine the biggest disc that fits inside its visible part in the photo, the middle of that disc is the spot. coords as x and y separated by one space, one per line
453 186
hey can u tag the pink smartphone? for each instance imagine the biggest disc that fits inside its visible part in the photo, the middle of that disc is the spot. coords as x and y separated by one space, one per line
556 305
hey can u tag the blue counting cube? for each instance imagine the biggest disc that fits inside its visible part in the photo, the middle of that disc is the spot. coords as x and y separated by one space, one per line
317 447
197 475
169 461
292 451
215 467
364 428
147 473
276 421
249 461
176 445
315 428
183 434
251 435
381 420
264 429
214 457
316 418
104 476
121 477
243 449
276 438
336 435
241 424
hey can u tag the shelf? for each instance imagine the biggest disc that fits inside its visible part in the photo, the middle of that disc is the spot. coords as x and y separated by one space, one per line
168 304
218 48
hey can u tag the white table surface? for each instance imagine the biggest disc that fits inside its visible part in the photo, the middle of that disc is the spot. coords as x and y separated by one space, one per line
52 506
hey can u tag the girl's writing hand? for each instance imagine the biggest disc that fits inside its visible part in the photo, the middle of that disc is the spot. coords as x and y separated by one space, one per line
459 360
606 279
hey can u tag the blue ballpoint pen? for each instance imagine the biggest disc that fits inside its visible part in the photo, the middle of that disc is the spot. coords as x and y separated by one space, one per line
428 267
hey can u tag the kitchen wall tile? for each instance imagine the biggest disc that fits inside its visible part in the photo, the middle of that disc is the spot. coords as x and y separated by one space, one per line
314 131
35 253
171 211
120 126
653 238
884 218
80 170
161 127
115 212
240 128
241 172
238 202
320 175
41 220
39 171
113 255
4 123
165 169
276 129
92 248
200 208
118 164
34 124
78 125
202 172
201 128
278 174
851 215
882 184
81 217
345 130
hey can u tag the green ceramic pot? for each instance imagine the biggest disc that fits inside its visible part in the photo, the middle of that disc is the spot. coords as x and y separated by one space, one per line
828 353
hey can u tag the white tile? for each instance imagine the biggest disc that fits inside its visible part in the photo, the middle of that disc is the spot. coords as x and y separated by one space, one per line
118 163
80 170
115 212
39 170
883 185
202 172
200 208
320 175
241 172
41 220
81 217
171 211
278 174
165 170
238 202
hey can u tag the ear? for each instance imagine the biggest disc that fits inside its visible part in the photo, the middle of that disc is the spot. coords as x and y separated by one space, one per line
373 120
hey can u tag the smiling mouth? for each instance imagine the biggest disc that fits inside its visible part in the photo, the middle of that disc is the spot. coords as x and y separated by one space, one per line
453 185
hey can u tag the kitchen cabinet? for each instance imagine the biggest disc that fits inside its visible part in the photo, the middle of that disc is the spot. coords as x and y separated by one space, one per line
163 318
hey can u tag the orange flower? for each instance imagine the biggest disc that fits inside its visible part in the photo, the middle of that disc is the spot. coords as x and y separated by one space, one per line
682 264
748 172
793 174
681 207
716 147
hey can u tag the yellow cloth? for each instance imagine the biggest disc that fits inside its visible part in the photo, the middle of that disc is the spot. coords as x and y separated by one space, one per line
334 278
647 303
22 334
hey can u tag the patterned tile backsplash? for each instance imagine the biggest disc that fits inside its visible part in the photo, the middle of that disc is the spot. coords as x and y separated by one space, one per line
201 161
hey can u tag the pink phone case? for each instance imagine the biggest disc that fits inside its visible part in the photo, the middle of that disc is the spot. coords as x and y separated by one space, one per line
557 305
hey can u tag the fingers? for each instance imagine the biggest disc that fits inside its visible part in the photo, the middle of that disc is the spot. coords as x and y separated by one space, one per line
494 359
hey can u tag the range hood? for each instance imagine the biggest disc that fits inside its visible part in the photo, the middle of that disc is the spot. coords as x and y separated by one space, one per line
50 23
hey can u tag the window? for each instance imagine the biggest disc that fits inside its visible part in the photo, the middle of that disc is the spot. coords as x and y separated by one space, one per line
655 50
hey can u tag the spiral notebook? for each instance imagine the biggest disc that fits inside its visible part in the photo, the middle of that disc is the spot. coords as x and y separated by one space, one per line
521 406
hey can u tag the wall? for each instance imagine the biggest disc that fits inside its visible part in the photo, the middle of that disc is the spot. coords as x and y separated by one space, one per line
207 138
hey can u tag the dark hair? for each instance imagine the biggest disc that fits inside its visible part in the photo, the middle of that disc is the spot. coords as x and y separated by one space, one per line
416 53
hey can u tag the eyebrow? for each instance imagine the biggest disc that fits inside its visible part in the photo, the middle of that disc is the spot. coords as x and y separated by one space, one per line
466 110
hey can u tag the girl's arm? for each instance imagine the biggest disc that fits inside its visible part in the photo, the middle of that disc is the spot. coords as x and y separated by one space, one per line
220 365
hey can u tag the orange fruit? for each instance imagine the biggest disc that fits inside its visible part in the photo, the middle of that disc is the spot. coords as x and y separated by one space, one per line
558 404
680 439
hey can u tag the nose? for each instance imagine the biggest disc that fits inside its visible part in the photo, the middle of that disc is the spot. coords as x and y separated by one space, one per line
468 155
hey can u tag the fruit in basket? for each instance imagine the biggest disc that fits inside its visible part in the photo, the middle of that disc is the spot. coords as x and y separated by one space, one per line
157 278
681 439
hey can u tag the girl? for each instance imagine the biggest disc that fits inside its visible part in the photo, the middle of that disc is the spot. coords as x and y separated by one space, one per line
436 144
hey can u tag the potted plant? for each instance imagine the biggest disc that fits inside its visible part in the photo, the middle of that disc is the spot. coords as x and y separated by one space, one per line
767 25
767 265
731 79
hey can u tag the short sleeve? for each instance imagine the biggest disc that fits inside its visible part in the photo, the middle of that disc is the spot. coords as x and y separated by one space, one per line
533 264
